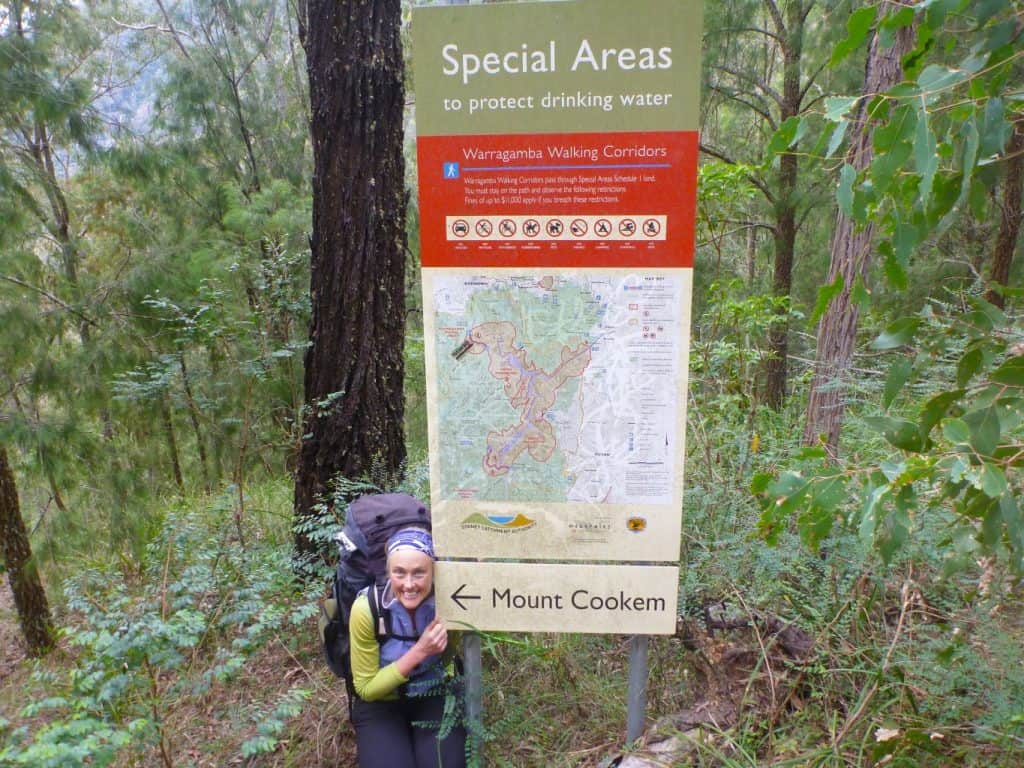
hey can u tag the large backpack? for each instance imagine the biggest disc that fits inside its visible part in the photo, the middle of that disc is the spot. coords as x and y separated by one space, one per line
362 562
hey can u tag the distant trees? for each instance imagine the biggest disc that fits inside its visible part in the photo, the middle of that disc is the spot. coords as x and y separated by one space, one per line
764 63
354 365
154 221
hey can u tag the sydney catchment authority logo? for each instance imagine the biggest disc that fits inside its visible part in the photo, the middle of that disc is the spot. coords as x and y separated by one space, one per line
499 523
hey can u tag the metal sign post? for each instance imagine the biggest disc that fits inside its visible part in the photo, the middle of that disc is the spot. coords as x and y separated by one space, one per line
636 697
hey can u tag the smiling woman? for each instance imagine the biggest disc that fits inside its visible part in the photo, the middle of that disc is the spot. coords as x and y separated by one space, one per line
400 667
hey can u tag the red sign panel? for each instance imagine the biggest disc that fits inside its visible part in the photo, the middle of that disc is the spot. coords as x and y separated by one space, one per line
558 200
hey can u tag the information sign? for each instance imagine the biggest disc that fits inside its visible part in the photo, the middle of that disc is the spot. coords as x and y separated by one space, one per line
557 152
541 597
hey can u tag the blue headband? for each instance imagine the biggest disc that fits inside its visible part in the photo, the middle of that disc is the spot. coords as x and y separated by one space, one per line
415 539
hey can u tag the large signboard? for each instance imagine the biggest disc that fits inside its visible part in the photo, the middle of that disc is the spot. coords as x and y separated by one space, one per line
557 150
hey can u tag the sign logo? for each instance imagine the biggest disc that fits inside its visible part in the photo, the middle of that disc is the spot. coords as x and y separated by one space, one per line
499 523
636 524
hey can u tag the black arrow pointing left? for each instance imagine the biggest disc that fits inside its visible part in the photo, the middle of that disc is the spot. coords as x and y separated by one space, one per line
458 597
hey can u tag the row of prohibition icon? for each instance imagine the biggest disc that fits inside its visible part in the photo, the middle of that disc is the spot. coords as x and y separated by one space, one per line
500 228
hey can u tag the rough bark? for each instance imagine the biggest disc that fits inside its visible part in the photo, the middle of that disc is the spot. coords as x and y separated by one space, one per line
29 595
791 33
1010 216
850 258
354 365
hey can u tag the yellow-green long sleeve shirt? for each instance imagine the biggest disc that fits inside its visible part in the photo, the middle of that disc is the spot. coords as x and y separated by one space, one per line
371 681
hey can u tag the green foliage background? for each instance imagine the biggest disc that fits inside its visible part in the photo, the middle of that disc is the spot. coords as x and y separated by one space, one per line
154 278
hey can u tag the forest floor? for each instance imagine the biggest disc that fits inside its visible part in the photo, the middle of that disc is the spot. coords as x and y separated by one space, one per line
715 689
200 731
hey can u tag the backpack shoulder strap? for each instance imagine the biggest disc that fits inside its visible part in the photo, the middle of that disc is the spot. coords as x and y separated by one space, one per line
382 616
373 596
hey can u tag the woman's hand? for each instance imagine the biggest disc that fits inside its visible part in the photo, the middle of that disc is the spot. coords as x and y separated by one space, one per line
434 638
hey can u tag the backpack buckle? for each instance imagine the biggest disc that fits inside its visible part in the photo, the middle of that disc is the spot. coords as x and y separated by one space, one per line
345 544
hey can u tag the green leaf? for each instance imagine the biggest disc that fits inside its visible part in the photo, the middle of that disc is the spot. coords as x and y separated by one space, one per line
993 481
901 433
788 134
994 316
829 492
895 528
895 272
868 512
926 160
858 25
825 295
1014 529
898 375
956 431
991 525
894 144
935 410
995 130
969 158
968 365
984 428
937 78
837 138
1010 372
760 482
814 525
844 195
905 239
897 334
836 107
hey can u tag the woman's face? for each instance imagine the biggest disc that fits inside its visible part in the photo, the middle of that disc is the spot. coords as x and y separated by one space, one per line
412 576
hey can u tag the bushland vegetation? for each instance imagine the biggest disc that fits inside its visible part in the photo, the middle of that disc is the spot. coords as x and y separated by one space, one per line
848 596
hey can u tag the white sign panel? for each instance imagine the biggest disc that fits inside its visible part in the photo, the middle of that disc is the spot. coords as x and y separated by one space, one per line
539 597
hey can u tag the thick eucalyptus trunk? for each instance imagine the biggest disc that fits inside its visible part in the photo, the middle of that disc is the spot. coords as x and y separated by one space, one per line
851 258
29 595
354 365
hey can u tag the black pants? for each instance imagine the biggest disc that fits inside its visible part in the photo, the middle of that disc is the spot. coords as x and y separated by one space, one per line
404 734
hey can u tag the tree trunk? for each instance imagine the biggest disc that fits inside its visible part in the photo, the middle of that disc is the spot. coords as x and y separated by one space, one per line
172 442
850 258
29 595
1010 216
791 34
193 416
354 365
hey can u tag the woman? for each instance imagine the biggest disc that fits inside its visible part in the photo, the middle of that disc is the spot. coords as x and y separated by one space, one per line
400 678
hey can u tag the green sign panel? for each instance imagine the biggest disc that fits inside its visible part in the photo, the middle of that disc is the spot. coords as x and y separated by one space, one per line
599 65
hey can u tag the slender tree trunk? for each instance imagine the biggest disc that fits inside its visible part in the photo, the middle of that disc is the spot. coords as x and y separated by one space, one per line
193 416
851 256
172 442
1010 215
354 365
29 595
791 34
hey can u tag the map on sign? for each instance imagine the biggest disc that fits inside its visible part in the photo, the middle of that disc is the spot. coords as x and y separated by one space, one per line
558 387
